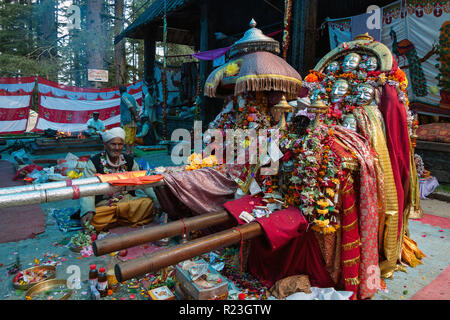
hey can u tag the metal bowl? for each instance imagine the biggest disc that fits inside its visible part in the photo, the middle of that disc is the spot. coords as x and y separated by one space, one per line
48 285
52 275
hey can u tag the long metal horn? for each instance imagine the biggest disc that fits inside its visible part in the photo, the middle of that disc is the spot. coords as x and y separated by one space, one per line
58 194
172 255
135 238
48 185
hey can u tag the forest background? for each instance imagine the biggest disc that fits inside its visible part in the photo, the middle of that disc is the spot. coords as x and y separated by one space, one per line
53 40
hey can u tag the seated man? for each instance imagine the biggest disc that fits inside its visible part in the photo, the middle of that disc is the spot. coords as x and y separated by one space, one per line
94 125
125 208
145 136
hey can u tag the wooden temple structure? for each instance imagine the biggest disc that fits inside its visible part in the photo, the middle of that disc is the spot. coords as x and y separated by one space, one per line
196 23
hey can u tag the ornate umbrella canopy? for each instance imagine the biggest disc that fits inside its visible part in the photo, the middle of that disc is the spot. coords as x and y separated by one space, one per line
255 66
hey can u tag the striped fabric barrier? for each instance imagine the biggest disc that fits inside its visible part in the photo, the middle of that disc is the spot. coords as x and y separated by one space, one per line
53 89
71 115
21 85
14 110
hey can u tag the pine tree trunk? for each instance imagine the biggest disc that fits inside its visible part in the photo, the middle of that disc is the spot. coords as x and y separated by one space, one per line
48 34
119 48
95 42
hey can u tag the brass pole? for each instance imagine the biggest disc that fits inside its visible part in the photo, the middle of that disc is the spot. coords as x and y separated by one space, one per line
135 238
169 256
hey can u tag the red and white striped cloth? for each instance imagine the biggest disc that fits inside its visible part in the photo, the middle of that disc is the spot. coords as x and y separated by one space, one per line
71 115
19 85
53 89
14 110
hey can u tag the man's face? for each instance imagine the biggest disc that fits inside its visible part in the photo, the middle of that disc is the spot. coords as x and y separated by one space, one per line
114 147
95 116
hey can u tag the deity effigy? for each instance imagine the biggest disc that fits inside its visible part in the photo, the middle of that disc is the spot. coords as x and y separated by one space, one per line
326 191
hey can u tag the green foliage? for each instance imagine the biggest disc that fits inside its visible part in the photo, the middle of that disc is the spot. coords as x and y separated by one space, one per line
34 43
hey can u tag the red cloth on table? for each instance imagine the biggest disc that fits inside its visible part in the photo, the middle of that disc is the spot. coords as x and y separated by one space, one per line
286 249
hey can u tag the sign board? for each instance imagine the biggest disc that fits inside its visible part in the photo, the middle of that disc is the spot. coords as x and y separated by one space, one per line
97 75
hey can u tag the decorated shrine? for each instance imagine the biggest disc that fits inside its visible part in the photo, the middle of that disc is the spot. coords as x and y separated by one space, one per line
311 180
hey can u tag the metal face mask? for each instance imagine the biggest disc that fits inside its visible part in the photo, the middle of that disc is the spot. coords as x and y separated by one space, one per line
351 62
365 94
338 91
333 67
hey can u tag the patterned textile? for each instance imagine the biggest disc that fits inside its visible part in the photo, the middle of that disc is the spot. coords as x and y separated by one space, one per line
368 207
370 122
436 132
65 223
351 242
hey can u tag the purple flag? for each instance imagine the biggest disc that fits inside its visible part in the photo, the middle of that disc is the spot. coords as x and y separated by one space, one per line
211 54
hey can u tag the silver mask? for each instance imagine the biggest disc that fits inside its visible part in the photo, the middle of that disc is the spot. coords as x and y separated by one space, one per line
351 62
365 94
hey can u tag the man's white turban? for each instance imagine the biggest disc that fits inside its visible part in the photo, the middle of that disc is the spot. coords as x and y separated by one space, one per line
116 132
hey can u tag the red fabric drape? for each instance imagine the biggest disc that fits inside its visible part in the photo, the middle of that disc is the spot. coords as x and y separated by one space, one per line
286 249
397 138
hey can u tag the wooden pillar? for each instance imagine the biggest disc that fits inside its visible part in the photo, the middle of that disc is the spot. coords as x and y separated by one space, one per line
204 65
304 37
295 35
149 57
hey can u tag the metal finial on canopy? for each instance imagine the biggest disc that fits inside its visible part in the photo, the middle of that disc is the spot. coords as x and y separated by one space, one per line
254 40
282 107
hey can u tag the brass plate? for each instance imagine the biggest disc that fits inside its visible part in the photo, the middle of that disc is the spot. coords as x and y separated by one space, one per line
52 275
48 285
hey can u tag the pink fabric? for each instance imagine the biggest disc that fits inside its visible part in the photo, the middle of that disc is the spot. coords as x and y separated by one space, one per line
286 249
202 191
368 208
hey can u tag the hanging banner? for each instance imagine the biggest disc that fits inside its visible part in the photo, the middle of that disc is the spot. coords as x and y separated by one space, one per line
54 89
71 115
367 23
339 31
418 33
14 110
21 84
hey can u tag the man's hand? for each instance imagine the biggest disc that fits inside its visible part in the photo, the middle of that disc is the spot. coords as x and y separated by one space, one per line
87 218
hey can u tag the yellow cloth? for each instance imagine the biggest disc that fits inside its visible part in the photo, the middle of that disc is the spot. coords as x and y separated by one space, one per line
389 220
411 254
133 213
130 134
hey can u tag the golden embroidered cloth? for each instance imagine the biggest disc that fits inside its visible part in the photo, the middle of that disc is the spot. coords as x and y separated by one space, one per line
371 122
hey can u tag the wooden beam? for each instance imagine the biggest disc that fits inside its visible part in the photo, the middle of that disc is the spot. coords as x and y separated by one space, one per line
203 47
306 14
149 57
